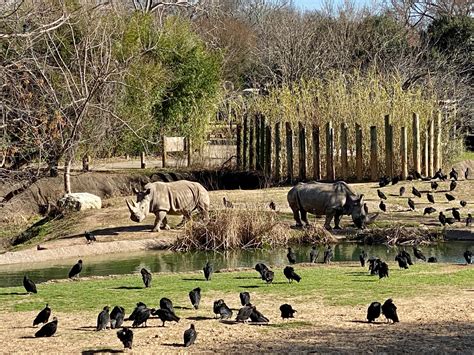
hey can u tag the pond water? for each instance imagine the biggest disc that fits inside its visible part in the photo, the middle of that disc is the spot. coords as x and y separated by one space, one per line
166 261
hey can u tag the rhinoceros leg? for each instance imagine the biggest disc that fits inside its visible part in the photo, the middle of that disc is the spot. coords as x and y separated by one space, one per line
337 219
160 217
327 223
304 217
296 216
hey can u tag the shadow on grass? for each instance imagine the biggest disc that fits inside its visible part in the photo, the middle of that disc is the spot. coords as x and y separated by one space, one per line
183 307
250 286
114 231
246 278
101 351
128 288
193 279
13 293
198 318
174 345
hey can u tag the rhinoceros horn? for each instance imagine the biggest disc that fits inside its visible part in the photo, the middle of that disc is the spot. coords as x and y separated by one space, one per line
131 206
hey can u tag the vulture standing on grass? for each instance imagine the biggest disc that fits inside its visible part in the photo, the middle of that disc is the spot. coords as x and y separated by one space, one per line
463 203
383 270
381 195
442 218
430 197
217 305
29 285
384 181
449 197
402 261
362 258
125 335
452 185
208 271
383 206
43 316
456 214
434 185
468 256
418 254
415 192
260 267
90 237
222 310
258 317
139 306
244 298
468 220
166 316
429 210
402 191
48 329
244 313
291 274
407 256
432 259
389 310
291 256
287 311
328 254
146 277
141 316
103 319
373 312
268 276
453 174
190 336
76 269
116 317
272 205
195 297
313 254
411 204
165 303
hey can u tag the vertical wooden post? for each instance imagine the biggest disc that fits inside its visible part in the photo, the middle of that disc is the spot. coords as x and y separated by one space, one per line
189 151
289 152
388 147
277 169
431 147
252 146
404 152
257 142
262 142
268 152
344 166
425 154
416 144
437 143
359 159
374 159
245 143
143 162
85 162
239 145
302 151
330 173
316 154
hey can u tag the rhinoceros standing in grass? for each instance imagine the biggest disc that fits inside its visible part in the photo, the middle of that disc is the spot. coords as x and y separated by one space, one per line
329 199
174 198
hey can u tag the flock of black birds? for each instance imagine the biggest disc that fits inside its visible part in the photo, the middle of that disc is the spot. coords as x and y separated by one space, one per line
435 181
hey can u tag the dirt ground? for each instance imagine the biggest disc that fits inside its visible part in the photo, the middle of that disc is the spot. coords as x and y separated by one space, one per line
428 324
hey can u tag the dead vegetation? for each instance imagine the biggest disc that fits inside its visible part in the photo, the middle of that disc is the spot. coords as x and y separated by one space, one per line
399 235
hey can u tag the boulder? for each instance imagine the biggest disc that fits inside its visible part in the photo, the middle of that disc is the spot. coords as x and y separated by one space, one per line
79 201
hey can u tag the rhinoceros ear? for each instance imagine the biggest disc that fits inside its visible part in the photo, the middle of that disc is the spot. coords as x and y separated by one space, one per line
147 192
135 191
361 198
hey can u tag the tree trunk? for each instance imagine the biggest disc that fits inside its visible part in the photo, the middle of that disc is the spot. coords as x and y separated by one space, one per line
67 176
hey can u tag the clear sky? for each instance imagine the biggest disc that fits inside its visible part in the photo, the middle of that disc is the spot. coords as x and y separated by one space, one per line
317 4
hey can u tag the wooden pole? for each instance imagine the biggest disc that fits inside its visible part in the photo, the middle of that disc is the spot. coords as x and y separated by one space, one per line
425 155
359 160
252 146
143 162
268 152
344 165
388 147
374 159
245 143
289 152
262 142
257 142
330 173
431 147
189 151
416 144
437 143
239 146
404 152
277 169
302 151
316 154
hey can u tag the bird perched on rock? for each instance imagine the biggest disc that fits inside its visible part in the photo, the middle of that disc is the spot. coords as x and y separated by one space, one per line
272 205
268 276
429 210
43 316
407 256
468 220
48 330
90 237
244 313
381 195
373 312
195 297
389 310
418 254
402 191
146 277
430 198
76 269
287 311
382 206
258 317
141 316
468 256
383 270
221 309
227 203
190 336
432 259
411 204
467 172
244 298
453 174
452 185
384 181
456 214
328 254
291 256
362 258
165 303
463 203
125 335
103 319
291 274
402 261
166 316
208 271
116 317
449 197
415 192
29 285
313 254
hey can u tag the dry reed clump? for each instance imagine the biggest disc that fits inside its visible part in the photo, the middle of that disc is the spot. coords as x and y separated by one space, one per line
399 236
230 229
314 235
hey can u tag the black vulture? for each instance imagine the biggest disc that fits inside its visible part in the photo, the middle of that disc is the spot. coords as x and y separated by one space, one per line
463 203
383 270
116 317
260 267
466 173
442 218
468 256
373 312
217 305
90 237
223 310
227 203
208 271
415 192
418 175
449 197
468 220
381 195
48 329
383 206
76 269
396 179
429 210
287 311
411 204
146 277
374 265
452 185
456 214
244 298
384 181
141 316
434 185
258 317
402 191
328 254
453 174
165 303
407 256
272 205
103 319
166 316
126 337
29 285
439 175
430 197
43 316
432 259
418 254
244 313
291 274
195 297
313 254
362 258
268 276
389 310
136 310
291 256
450 220
190 336
402 261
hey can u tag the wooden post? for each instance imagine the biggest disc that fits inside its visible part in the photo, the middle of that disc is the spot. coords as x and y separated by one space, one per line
425 155
416 144
316 154
262 142
437 143
302 151
252 147
189 151
344 166
404 152
268 152
430 148
359 159
374 159
289 152
239 146
257 142
277 169
143 162
245 143
388 147
85 162
330 173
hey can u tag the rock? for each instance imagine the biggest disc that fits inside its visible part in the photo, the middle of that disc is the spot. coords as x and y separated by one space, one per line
79 201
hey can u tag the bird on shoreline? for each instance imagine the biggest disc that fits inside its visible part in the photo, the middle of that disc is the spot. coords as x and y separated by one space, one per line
287 311
291 256
402 262
103 319
313 255
389 310
116 317
125 335
453 174
452 185
29 285
208 271
195 297
418 254
381 195
76 269
382 206
146 277
402 190
468 220
430 197
429 210
362 258
89 237
291 274
449 197
411 204
415 192
468 256
328 254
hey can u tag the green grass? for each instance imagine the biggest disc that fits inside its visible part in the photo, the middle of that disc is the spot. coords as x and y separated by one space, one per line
335 285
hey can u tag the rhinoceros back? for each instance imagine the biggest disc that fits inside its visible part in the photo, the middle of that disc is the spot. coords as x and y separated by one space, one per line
318 197
178 197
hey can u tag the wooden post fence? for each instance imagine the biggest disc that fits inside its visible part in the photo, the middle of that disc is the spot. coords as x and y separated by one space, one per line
374 163
262 142
289 152
359 160
388 147
277 169
404 152
239 145
437 143
268 152
245 143
302 151
425 154
189 151
416 144
330 173
252 147
316 153
258 142
344 165
431 147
